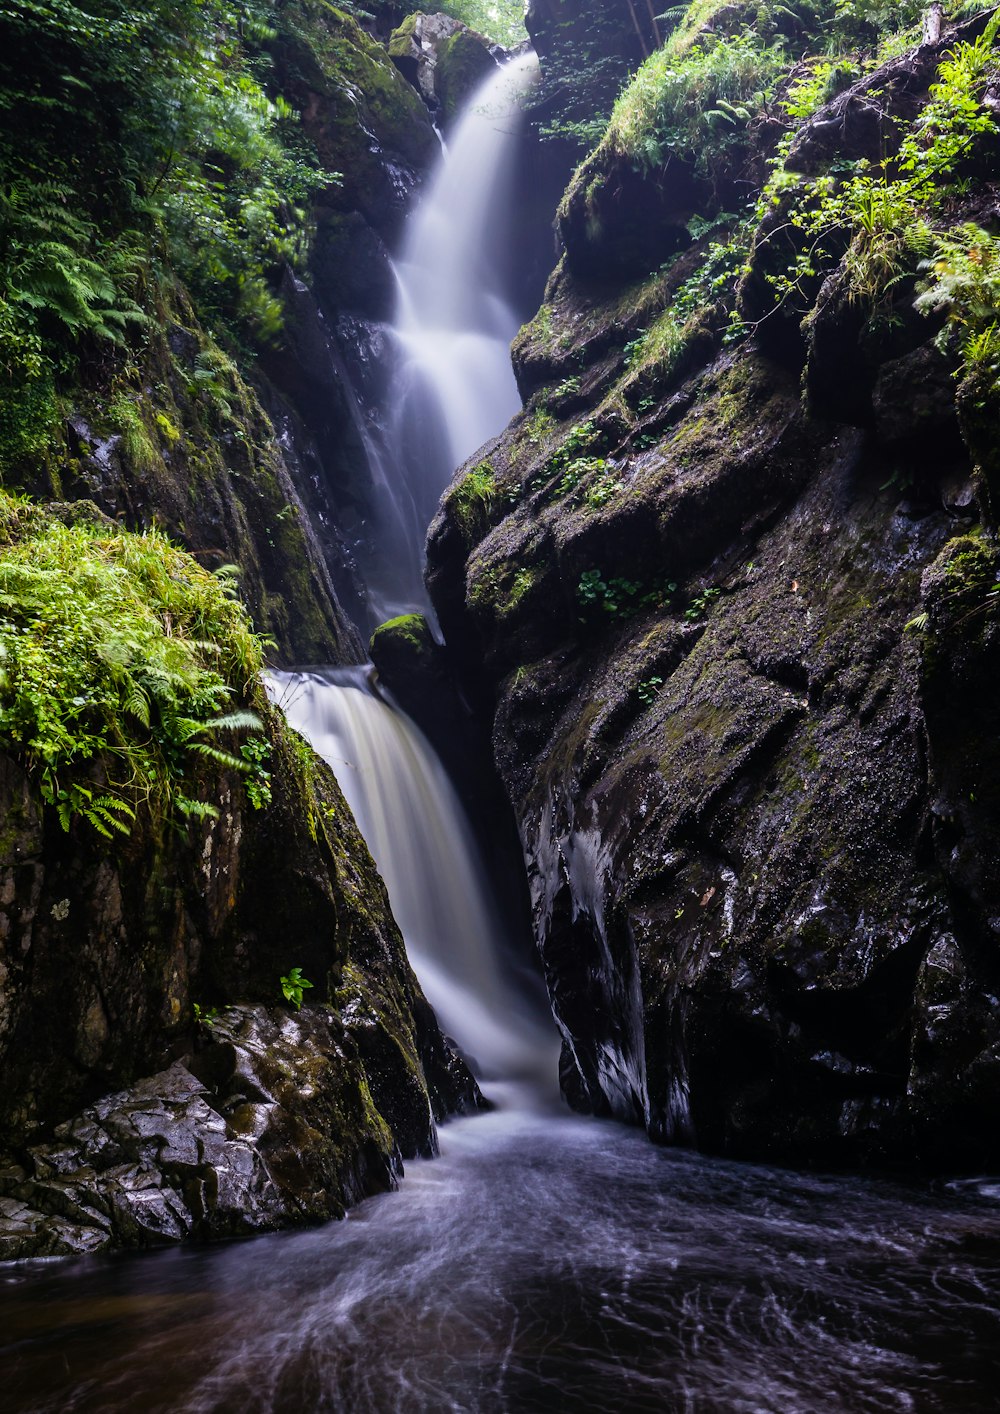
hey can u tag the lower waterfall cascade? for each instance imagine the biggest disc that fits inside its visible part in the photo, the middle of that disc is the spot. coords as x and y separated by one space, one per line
413 822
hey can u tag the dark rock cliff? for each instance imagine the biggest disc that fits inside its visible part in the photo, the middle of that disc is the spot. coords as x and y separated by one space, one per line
737 642
260 1119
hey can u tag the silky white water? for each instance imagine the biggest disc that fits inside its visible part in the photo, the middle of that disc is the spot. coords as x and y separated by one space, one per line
453 318
423 845
452 386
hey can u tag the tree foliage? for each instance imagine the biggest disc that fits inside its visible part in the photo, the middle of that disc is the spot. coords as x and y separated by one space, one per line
136 143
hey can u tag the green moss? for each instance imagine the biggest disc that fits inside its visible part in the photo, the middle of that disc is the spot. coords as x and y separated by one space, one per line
365 97
500 590
29 417
411 629
471 500
463 63
970 563
125 417
401 39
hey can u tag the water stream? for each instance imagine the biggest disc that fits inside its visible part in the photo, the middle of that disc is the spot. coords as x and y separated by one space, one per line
452 385
423 844
543 1262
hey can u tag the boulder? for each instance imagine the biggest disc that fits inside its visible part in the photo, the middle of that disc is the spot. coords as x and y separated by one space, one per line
443 59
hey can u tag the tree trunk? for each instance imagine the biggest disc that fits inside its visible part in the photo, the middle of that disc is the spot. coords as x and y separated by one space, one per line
652 20
638 28
932 23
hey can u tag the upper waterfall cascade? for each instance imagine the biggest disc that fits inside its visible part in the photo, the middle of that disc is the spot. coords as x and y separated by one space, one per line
452 385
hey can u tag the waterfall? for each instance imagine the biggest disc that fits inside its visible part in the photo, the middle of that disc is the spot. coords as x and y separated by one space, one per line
454 388
452 385
422 843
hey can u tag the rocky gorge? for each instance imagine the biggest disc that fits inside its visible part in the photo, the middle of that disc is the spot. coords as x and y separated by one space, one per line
722 598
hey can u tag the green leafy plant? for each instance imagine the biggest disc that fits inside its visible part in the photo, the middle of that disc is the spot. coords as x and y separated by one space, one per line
823 79
294 987
617 596
255 752
205 1016
120 659
604 489
701 603
648 689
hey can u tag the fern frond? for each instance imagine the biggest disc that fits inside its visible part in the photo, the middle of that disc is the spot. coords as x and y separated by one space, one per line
137 705
224 758
196 809
241 721
104 814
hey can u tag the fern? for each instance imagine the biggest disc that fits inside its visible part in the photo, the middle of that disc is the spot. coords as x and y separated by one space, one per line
136 704
196 809
105 815
242 721
216 753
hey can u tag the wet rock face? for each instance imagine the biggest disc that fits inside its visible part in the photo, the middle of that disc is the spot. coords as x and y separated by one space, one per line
270 1123
758 928
737 645
104 953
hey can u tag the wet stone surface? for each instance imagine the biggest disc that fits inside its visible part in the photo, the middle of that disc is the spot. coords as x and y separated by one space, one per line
277 1132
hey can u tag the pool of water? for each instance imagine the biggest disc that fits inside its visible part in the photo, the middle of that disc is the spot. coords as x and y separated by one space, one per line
542 1263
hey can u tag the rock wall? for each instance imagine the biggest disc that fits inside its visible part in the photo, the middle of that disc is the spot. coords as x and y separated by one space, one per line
125 1115
735 643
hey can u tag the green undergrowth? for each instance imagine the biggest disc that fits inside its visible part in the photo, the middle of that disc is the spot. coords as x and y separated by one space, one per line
962 281
124 668
138 145
886 222
696 106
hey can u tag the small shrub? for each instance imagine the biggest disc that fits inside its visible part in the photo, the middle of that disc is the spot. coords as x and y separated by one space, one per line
294 986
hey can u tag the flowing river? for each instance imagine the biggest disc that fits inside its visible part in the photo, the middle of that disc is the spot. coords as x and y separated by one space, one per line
543 1262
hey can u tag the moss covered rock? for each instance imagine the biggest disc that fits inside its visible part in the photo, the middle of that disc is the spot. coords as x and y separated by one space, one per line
366 122
443 59
215 875
737 646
